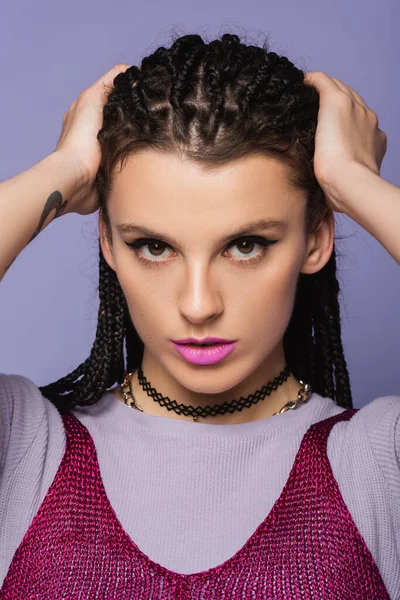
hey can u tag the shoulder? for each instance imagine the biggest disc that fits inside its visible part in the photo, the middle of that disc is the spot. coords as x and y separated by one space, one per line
376 424
364 456
32 443
379 423
370 442
26 416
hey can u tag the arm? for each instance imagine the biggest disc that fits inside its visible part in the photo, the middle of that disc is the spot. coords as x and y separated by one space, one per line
349 149
372 202
62 182
31 200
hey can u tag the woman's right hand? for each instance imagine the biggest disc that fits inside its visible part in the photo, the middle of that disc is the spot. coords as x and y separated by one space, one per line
78 142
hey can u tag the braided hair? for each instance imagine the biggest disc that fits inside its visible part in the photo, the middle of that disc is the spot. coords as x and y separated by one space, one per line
214 102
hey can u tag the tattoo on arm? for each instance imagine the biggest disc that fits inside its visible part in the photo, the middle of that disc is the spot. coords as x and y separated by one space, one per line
54 202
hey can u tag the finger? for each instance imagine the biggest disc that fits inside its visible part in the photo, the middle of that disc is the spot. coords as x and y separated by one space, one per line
105 80
321 82
108 78
102 87
351 91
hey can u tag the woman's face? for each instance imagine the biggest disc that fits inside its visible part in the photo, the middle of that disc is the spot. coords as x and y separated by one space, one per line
198 277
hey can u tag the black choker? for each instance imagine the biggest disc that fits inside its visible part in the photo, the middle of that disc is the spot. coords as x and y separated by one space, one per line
218 409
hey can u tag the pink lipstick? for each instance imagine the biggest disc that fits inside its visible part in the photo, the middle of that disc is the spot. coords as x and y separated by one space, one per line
197 354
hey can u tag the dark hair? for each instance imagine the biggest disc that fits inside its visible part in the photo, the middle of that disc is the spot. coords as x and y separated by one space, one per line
214 102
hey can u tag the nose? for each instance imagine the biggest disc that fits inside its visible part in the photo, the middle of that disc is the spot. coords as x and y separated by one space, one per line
200 299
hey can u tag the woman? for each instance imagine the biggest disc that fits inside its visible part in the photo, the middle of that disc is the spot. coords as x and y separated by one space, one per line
148 471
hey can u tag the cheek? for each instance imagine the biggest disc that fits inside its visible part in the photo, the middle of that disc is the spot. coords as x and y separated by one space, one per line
147 304
269 304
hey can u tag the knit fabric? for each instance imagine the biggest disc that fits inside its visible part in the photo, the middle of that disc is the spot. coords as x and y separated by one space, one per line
308 546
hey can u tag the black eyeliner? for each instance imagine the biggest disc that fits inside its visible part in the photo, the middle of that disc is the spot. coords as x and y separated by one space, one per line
253 238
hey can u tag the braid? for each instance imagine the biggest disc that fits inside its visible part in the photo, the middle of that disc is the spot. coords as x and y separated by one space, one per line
105 363
312 340
186 52
333 326
214 102
134 346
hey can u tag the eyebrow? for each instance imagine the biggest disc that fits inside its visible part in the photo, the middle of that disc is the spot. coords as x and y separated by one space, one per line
277 225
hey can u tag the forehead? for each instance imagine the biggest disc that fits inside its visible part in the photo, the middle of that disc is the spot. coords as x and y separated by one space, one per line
155 182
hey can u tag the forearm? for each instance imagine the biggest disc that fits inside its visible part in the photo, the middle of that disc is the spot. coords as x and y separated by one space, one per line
374 203
30 200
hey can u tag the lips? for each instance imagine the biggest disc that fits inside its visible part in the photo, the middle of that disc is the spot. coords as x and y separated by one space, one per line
204 355
203 341
198 345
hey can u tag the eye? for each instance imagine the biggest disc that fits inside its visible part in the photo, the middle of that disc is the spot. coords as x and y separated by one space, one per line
156 245
247 244
156 249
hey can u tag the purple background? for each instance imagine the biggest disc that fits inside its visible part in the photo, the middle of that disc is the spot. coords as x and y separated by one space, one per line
51 51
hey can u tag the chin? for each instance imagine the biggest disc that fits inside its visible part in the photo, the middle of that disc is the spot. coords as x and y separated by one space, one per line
211 379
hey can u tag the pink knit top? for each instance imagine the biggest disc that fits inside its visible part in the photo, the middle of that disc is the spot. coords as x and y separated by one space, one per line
308 546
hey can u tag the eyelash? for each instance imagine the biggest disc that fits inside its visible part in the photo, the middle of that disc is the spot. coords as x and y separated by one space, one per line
264 242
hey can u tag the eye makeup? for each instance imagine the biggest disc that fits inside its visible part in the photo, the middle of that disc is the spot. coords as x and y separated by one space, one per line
141 243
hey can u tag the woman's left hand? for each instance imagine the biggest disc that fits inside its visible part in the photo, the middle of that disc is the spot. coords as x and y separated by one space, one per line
347 134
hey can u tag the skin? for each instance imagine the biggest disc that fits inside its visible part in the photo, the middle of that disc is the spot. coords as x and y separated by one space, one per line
203 286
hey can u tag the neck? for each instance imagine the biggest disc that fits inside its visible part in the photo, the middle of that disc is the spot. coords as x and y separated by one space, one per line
196 395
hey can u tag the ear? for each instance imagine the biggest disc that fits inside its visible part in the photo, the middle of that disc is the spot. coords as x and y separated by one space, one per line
320 245
105 244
